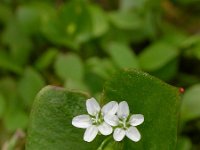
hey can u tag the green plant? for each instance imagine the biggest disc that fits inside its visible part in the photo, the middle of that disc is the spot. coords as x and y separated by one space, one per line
79 44
53 110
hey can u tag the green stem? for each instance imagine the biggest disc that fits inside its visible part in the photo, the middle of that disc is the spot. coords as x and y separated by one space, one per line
104 143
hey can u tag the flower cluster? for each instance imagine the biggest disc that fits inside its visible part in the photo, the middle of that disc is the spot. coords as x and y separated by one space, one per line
112 116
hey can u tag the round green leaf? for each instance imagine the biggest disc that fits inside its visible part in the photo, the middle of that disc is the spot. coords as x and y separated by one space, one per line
50 121
156 100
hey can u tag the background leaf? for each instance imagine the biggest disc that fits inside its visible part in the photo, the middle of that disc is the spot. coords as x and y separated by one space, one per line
8 64
99 20
124 20
102 67
122 55
29 85
46 59
15 119
184 144
191 103
69 66
157 55
2 105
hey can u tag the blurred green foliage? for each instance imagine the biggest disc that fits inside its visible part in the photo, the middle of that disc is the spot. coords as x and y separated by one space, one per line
79 44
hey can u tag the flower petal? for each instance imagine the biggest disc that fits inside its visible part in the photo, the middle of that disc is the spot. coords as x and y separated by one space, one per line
90 133
110 108
133 134
92 106
111 120
119 134
136 119
123 110
105 129
82 121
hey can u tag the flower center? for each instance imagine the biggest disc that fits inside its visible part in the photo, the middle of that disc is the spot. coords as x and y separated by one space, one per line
98 119
123 123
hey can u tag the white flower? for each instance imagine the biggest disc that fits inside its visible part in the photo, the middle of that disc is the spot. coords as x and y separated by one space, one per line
125 126
94 122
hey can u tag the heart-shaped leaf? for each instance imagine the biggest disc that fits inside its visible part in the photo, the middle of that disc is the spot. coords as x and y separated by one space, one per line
156 100
50 121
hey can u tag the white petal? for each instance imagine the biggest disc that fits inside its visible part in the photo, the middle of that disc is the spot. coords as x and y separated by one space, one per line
90 133
111 120
123 110
110 108
136 119
92 106
119 134
82 121
133 134
105 129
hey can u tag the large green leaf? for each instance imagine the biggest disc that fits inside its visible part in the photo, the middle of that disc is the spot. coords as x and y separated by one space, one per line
156 100
50 121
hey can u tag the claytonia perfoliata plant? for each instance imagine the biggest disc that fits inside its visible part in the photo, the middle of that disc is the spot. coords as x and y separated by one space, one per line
111 116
